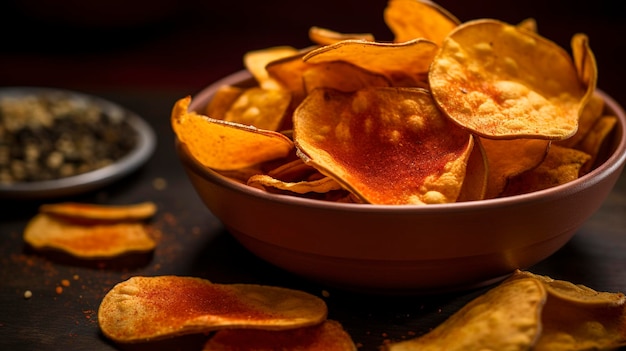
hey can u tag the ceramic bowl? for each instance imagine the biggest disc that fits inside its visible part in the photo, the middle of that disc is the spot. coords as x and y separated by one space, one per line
406 248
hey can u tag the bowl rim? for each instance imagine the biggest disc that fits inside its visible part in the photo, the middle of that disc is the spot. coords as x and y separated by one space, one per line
612 164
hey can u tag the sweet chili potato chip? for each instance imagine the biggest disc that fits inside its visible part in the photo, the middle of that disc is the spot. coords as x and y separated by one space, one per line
261 108
324 36
507 317
410 19
386 145
87 241
503 82
100 213
405 64
149 308
326 336
560 166
225 145
508 158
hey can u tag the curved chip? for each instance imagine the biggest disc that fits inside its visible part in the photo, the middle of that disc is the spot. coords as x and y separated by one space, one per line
342 76
225 145
325 36
410 19
256 60
595 139
405 64
96 212
149 308
326 336
323 185
509 158
92 241
507 317
261 108
386 145
585 62
503 82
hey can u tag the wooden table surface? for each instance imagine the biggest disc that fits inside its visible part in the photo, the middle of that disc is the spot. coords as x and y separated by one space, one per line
147 65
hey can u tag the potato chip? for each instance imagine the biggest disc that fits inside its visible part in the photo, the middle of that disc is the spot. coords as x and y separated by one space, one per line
324 36
405 64
95 212
292 171
225 145
324 185
326 336
150 308
256 60
261 108
221 101
342 76
595 139
576 317
588 117
288 72
386 145
508 158
410 19
87 241
507 317
529 24
585 63
561 165
503 82
476 175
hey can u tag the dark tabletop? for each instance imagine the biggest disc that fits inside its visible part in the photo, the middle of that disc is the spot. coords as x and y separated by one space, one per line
173 49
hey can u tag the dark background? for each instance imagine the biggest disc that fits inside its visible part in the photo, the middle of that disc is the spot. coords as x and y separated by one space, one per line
185 45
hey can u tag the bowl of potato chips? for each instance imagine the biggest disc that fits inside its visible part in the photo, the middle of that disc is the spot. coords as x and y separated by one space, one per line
442 160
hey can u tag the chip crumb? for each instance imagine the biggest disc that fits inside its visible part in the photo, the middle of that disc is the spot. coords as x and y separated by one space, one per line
65 282
75 277
325 293
159 183
59 290
28 294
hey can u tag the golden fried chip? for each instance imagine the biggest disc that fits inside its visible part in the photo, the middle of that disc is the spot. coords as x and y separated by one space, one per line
529 24
591 112
256 60
327 336
507 317
508 158
221 101
261 108
481 80
87 241
405 64
224 145
149 308
410 19
292 171
576 317
324 36
342 76
95 212
288 72
560 166
476 175
386 145
323 185
585 62
595 139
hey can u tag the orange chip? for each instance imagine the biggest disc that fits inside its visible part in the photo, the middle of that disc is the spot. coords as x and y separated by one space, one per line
327 336
405 64
261 108
386 145
481 81
94 212
149 308
222 100
225 145
255 62
591 112
508 158
560 166
410 19
585 62
323 185
87 241
324 36
476 175
595 139
342 76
